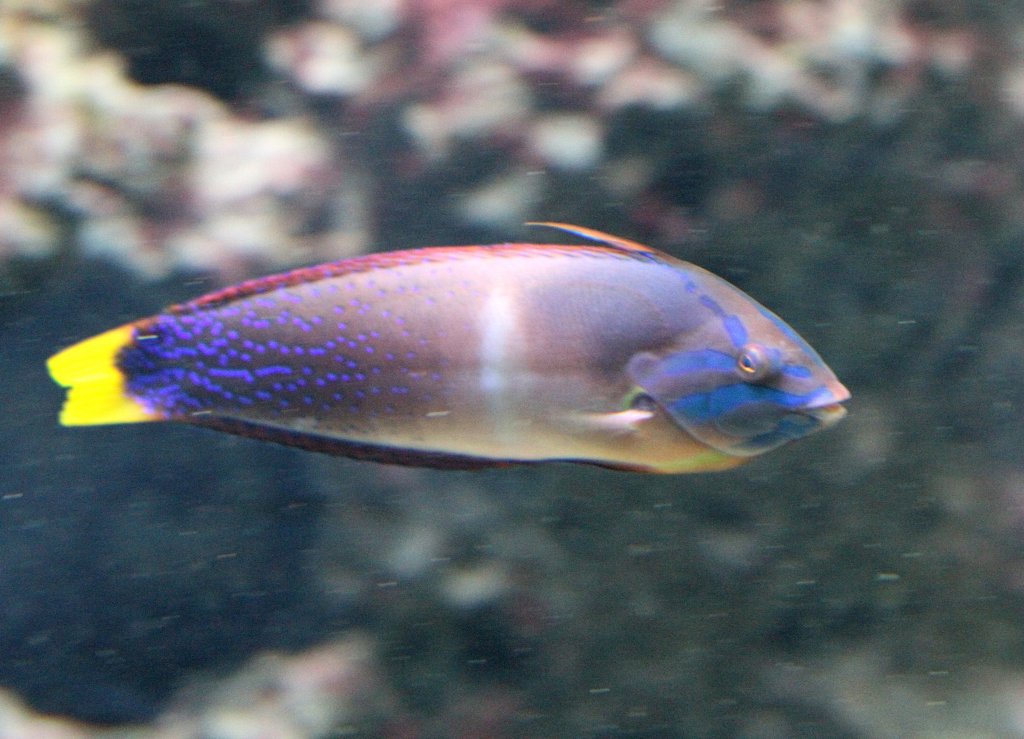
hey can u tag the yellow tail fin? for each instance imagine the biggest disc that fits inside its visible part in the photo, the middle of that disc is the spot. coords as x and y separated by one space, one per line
96 387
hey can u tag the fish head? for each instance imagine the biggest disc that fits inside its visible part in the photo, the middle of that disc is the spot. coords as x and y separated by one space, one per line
738 379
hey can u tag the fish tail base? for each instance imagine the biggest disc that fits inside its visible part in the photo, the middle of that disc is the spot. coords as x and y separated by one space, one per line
97 389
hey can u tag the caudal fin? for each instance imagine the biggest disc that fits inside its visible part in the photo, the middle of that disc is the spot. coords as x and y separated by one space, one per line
97 392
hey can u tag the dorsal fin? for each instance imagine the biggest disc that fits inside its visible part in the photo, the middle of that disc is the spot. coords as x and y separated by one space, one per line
594 235
386 259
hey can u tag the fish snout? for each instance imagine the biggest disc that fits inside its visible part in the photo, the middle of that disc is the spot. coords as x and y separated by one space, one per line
831 410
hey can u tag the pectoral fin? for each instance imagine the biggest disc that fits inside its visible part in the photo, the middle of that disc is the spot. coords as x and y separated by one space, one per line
621 422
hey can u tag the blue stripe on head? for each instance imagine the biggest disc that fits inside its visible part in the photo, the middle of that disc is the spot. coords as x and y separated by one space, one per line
736 330
797 371
747 419
781 325
705 359
792 335
710 406
731 322
681 373
712 305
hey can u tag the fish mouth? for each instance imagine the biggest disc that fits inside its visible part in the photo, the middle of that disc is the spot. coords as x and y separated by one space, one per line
831 410
827 415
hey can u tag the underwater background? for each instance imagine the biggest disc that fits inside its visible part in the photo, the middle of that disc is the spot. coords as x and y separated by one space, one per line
855 165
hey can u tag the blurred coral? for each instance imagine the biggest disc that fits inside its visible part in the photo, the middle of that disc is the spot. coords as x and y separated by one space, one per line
326 691
159 177
139 169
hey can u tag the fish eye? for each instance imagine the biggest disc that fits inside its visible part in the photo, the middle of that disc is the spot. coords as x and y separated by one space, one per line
755 362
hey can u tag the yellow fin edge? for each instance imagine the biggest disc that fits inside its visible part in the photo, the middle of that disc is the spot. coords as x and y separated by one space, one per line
97 393
709 461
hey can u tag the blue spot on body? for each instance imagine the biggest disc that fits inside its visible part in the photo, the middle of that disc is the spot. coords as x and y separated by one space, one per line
233 374
273 370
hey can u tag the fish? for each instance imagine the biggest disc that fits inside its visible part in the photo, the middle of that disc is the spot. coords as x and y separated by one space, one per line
607 352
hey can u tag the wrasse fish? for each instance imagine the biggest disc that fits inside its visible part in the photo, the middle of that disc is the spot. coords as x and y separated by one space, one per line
612 354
